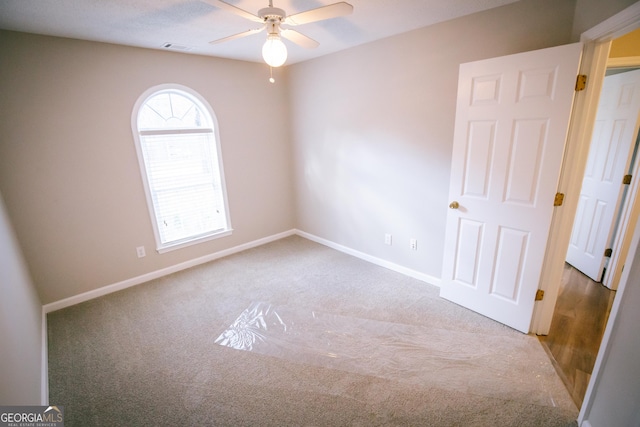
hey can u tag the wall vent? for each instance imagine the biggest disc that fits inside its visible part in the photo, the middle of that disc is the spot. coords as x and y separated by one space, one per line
173 46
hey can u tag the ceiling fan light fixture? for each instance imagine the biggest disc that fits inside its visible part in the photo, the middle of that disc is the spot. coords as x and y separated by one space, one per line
274 51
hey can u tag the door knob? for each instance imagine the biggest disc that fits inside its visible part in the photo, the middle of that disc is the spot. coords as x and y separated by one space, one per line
454 205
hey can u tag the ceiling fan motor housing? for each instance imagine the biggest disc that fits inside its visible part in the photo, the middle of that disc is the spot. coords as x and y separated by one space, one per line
272 14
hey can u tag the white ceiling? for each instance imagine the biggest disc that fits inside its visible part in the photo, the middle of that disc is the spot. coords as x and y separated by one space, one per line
193 23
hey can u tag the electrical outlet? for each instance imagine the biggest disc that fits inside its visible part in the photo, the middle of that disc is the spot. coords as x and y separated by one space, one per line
387 239
141 252
413 244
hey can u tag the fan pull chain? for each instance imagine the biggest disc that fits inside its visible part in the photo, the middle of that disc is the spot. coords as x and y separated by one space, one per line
271 79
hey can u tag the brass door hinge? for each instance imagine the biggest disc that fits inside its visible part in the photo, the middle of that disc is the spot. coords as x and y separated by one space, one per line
539 295
627 179
559 199
608 252
581 82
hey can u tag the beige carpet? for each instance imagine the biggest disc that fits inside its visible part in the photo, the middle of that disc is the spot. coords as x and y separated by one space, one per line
295 334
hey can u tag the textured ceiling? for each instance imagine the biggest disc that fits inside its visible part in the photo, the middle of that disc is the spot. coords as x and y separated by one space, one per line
193 23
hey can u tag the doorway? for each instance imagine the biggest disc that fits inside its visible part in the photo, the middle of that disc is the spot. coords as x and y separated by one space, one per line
583 305
610 183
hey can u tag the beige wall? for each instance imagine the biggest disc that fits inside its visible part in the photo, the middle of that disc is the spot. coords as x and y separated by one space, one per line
373 128
20 324
68 166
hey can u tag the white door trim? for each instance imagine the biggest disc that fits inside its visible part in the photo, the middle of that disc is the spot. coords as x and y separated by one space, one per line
597 42
624 62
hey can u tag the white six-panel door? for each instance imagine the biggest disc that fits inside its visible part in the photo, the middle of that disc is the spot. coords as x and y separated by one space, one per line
611 147
512 117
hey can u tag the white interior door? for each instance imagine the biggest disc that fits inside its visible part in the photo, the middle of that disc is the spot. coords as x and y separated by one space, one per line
511 125
602 188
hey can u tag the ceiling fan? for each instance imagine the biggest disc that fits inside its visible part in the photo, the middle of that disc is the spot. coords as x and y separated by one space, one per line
274 50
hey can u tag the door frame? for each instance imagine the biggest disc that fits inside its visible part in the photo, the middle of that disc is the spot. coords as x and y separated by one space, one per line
597 43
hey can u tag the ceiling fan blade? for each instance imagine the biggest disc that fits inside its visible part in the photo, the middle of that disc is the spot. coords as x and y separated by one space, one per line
299 38
231 8
325 12
239 35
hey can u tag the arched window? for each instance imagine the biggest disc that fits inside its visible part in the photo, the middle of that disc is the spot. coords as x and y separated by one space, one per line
178 149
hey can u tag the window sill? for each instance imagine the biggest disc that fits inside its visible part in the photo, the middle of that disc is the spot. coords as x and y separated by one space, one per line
185 243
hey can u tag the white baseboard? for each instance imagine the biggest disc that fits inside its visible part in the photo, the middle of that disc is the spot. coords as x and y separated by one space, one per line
105 290
377 261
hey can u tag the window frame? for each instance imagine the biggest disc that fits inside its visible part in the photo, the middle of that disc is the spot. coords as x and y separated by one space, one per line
198 99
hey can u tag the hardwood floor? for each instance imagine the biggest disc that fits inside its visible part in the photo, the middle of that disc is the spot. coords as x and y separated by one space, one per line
577 327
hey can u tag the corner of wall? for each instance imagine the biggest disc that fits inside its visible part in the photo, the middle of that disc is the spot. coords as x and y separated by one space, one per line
21 324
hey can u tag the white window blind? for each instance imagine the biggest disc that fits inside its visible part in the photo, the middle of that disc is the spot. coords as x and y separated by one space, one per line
182 169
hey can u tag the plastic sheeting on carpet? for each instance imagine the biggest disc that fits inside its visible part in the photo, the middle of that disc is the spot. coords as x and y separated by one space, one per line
477 363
